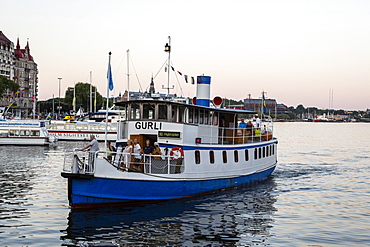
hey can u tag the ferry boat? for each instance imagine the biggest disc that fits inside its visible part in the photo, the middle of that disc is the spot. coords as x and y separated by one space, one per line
202 150
24 132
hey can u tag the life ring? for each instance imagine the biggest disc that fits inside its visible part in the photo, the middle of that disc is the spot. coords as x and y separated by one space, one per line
176 153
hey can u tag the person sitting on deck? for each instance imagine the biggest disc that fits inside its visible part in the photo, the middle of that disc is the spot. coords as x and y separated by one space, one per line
242 124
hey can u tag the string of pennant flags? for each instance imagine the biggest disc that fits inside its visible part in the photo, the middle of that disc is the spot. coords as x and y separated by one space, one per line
186 77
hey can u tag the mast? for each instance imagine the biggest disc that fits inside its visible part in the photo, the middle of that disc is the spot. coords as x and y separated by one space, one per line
74 98
91 109
128 74
109 77
167 48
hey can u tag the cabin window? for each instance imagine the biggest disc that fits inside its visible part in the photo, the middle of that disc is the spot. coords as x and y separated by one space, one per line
263 152
273 149
259 153
212 157
206 117
135 111
255 153
197 157
22 133
236 156
35 133
267 151
181 114
224 156
246 154
191 114
148 111
3 132
174 114
162 111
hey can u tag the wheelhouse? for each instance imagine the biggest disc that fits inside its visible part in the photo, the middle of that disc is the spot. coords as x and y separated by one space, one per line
174 123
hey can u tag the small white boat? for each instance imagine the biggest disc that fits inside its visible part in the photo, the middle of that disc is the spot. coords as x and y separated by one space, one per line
24 132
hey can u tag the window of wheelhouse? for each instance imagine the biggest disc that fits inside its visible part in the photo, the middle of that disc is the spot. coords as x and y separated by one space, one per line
181 114
135 111
174 113
215 118
148 111
162 112
196 115
191 115
201 114
206 117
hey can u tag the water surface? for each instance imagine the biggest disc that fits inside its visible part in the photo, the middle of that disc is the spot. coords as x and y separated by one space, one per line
318 196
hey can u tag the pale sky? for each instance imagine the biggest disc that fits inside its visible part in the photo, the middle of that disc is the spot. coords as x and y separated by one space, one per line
297 51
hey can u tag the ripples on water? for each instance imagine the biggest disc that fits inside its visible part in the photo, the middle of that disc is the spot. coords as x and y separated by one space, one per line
318 196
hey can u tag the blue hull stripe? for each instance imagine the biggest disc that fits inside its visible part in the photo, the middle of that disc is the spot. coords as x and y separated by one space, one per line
105 190
220 148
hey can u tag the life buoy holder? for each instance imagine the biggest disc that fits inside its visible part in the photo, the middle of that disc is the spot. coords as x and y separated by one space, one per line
176 153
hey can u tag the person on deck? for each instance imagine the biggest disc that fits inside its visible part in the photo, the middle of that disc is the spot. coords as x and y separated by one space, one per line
147 150
249 126
242 124
127 154
137 156
157 150
258 121
110 151
92 147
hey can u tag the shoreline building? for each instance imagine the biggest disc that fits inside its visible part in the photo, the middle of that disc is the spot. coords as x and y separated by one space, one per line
6 66
18 65
25 74
6 57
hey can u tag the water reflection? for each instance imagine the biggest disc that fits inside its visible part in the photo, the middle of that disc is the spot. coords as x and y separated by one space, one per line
16 183
239 216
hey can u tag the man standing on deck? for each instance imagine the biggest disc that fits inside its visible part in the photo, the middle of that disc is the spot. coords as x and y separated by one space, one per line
137 155
92 147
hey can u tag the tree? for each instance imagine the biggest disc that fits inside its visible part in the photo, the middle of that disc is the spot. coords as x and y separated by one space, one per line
82 96
6 84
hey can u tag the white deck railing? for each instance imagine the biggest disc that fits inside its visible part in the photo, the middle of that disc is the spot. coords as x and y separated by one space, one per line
84 162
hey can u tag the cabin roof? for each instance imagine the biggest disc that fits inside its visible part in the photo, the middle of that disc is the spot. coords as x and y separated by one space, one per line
224 110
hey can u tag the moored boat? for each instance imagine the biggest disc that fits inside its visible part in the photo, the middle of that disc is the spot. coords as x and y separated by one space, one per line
202 150
81 130
89 124
24 132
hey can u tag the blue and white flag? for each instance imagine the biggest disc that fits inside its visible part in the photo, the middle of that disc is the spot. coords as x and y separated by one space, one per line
110 78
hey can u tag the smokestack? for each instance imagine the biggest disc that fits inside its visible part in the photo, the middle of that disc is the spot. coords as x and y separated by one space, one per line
203 90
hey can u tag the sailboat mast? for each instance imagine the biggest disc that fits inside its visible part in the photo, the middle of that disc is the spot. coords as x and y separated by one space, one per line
128 74
91 109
